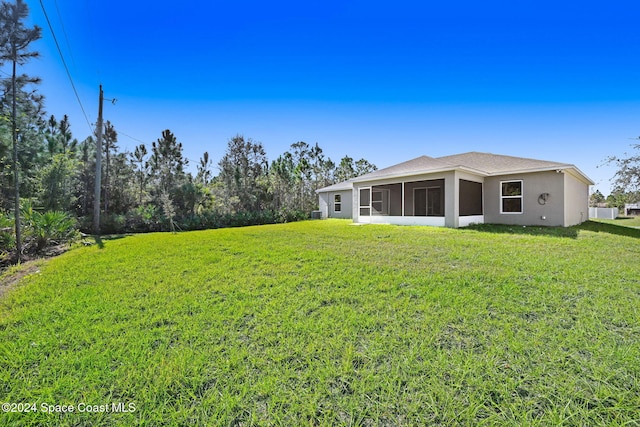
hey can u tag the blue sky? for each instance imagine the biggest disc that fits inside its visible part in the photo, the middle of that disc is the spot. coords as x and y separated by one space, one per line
387 81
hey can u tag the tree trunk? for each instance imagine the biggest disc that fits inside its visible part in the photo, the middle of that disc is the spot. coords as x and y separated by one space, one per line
16 182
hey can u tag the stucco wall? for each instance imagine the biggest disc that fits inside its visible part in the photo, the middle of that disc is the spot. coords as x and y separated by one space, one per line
576 196
323 204
347 204
533 212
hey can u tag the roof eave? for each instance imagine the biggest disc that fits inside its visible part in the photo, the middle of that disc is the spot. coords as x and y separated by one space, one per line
577 172
423 172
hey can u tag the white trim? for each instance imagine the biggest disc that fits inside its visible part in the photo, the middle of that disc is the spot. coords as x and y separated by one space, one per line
465 221
434 221
521 197
360 205
383 203
337 203
411 174
402 201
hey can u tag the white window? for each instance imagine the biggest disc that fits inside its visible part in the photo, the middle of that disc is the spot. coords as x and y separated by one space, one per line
511 197
337 203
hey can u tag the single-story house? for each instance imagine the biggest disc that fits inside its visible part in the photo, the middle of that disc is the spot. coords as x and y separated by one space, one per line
632 209
463 189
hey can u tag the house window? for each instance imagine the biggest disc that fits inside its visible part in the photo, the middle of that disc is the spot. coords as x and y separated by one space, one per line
511 197
365 196
337 203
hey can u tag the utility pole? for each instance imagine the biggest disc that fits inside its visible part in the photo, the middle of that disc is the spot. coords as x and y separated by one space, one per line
96 197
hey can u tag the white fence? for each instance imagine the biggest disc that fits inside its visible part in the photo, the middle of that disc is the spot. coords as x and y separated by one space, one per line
603 213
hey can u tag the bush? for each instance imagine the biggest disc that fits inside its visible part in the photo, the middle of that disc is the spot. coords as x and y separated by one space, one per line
47 229
149 218
113 224
144 218
7 236
287 215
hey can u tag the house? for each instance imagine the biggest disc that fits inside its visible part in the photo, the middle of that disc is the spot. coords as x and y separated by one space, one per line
632 209
459 190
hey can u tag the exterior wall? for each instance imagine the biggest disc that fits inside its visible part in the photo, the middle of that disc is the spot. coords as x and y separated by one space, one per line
323 203
451 200
465 221
434 221
346 210
550 213
326 202
576 200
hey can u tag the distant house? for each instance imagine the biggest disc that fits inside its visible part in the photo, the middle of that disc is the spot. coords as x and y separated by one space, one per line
459 190
632 209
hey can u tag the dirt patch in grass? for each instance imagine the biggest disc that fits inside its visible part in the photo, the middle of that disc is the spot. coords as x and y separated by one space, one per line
11 276
11 273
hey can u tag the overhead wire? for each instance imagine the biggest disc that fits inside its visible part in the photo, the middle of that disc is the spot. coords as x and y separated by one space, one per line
64 32
75 91
131 137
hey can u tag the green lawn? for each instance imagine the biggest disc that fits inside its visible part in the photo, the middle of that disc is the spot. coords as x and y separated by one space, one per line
325 323
625 221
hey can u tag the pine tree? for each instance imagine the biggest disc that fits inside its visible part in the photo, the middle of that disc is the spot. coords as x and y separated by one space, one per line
15 41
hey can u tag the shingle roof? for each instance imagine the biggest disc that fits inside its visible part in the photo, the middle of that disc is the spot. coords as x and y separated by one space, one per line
417 165
481 163
499 164
340 186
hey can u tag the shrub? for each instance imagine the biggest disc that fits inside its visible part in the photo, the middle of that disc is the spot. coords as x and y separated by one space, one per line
7 236
113 224
47 229
144 218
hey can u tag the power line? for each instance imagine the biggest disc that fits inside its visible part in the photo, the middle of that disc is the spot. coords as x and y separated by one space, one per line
64 33
130 137
65 66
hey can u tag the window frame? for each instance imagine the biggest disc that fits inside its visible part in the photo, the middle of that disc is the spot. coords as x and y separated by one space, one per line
383 202
520 196
362 207
427 199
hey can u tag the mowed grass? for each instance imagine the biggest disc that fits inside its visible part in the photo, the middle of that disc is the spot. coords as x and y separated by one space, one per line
625 221
325 323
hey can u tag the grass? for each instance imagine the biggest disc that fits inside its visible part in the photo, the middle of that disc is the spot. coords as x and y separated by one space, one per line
624 221
323 323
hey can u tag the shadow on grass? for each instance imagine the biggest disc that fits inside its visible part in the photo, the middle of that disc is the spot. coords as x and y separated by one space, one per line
101 239
570 232
624 218
602 227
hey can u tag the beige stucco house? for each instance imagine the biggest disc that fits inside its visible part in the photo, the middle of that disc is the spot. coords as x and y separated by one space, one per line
463 189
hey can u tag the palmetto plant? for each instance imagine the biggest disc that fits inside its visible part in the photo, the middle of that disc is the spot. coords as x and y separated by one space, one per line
46 229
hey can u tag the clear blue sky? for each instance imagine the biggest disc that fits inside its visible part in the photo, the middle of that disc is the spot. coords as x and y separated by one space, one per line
387 81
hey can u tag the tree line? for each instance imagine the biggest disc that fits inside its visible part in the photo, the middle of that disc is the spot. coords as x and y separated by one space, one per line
150 189
47 174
